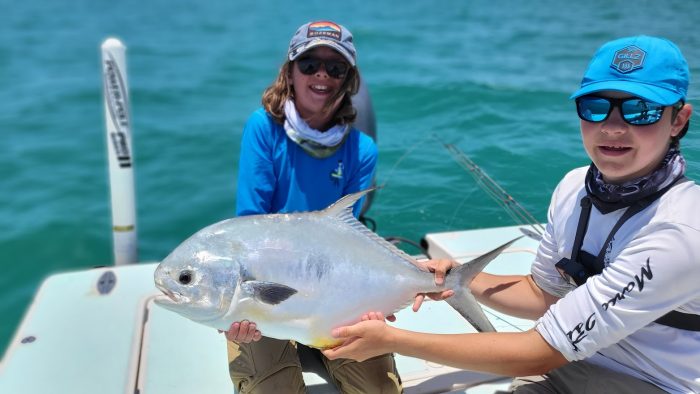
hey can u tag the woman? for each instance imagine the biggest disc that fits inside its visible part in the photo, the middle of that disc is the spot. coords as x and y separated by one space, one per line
614 284
299 153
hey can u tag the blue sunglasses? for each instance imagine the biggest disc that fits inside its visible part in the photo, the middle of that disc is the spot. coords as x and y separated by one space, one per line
634 111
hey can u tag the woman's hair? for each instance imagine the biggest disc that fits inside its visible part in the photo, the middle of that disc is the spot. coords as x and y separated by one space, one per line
276 95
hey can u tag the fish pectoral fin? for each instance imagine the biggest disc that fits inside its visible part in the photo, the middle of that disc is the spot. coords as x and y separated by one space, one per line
268 292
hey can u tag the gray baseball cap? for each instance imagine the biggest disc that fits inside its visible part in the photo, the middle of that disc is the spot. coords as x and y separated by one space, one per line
322 33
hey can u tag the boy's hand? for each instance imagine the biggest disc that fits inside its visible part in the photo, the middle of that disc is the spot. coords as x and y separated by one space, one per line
441 268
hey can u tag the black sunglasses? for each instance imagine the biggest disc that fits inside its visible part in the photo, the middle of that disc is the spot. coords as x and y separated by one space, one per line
334 68
634 110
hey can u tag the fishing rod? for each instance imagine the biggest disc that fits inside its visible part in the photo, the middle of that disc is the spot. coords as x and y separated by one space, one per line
516 211
120 154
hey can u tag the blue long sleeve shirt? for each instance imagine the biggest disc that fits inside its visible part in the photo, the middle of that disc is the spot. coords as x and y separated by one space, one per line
277 175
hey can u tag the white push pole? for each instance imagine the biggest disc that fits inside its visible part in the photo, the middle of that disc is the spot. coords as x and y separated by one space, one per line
121 158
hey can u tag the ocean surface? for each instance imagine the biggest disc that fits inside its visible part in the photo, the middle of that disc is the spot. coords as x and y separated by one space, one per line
492 78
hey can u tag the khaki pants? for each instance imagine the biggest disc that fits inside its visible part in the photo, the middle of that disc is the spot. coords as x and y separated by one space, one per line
581 377
273 366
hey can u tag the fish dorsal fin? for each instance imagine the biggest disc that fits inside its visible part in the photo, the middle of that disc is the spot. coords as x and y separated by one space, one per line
342 211
344 205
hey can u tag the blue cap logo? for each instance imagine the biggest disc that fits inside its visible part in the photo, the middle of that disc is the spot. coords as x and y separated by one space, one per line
628 59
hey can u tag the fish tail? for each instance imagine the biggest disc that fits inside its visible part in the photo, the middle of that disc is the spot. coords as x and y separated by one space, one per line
463 301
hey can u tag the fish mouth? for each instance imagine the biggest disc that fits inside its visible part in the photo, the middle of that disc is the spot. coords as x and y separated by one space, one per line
168 296
169 299
160 277
175 297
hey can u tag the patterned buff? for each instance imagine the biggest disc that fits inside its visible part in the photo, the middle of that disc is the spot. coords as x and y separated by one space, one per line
608 197
316 143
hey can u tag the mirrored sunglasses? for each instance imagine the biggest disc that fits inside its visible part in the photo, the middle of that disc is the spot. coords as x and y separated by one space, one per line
634 111
334 68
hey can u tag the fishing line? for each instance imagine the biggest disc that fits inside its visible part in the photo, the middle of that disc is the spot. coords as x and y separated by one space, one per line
517 212
396 240
403 156
456 211
494 315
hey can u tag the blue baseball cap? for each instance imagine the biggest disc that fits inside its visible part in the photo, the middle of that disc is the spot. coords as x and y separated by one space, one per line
647 67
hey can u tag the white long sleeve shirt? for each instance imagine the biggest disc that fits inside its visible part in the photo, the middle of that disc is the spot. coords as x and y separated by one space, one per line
652 268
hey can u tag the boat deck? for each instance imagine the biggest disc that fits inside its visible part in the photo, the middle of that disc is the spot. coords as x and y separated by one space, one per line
74 339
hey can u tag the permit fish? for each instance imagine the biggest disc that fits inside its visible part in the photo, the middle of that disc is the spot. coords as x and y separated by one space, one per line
299 275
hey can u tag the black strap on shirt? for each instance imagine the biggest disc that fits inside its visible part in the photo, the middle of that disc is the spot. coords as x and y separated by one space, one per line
583 265
684 321
577 271
582 228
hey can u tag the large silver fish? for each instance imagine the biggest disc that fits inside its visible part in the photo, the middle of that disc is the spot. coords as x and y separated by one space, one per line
300 275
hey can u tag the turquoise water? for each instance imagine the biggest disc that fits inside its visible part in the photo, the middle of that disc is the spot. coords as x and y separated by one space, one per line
493 79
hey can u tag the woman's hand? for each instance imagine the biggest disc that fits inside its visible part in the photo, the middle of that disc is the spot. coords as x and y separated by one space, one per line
242 332
441 268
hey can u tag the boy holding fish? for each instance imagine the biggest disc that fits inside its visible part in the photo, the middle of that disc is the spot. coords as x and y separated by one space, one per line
614 284
301 153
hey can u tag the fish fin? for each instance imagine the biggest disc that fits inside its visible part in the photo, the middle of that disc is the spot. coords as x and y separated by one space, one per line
386 244
344 205
342 210
459 279
464 302
268 292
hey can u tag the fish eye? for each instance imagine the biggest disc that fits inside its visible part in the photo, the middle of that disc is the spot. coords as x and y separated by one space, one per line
185 277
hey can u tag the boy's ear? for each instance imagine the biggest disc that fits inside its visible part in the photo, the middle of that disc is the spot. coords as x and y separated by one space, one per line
681 119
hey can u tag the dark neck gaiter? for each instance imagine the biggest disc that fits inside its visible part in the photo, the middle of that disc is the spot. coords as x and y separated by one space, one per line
608 197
